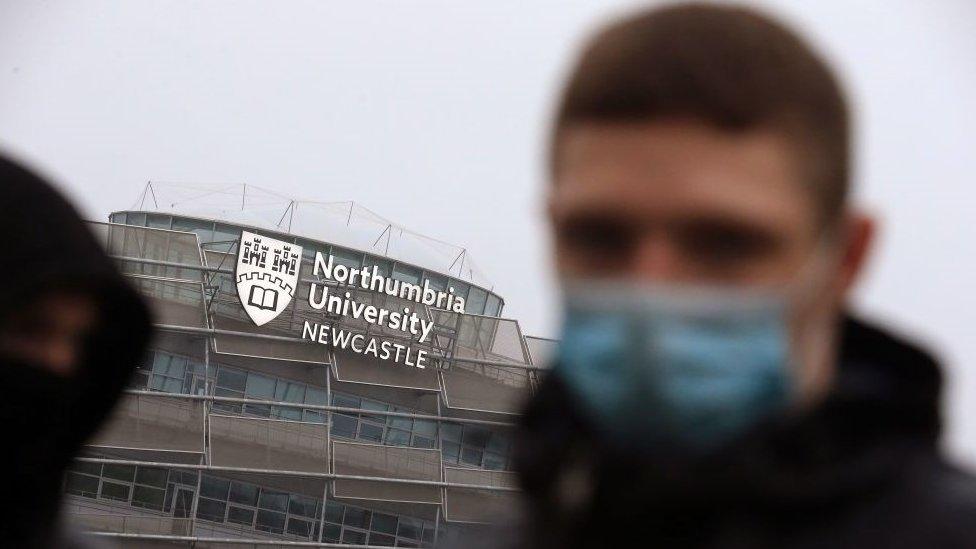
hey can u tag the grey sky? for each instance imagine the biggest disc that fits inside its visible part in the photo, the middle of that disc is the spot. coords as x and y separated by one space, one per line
434 115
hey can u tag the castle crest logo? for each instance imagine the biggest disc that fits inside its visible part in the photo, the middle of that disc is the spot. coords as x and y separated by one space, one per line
267 275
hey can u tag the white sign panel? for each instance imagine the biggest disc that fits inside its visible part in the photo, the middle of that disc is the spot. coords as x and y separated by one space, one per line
267 275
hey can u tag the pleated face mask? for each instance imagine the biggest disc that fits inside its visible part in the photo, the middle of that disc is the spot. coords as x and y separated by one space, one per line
675 365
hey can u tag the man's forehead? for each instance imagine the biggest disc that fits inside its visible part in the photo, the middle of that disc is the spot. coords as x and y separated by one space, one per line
679 169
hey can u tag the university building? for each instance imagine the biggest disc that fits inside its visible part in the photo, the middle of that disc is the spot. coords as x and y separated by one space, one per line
238 435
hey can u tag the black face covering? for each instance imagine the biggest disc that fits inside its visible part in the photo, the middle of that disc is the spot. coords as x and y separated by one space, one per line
47 403
46 418
39 410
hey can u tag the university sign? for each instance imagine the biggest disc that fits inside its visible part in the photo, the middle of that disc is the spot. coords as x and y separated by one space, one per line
267 277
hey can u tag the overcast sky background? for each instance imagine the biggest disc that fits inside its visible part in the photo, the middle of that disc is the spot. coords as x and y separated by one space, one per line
434 114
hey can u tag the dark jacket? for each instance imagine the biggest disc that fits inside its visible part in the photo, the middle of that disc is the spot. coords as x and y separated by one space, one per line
861 470
45 418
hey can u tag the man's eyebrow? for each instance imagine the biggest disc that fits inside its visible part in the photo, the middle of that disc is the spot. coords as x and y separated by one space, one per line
729 221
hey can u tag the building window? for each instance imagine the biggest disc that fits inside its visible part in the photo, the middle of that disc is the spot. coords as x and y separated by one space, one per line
309 249
469 445
144 487
136 218
406 273
225 238
203 229
259 387
168 373
230 383
460 290
212 510
349 258
289 391
382 266
493 306
436 282
239 515
82 479
317 397
150 487
475 446
475 303
266 510
158 221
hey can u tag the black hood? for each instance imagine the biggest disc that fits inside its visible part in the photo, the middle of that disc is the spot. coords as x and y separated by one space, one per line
48 247
882 414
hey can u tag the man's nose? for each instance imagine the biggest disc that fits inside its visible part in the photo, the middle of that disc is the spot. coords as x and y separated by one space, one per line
655 259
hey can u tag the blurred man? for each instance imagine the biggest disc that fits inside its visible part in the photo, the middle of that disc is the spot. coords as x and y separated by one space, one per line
71 331
711 389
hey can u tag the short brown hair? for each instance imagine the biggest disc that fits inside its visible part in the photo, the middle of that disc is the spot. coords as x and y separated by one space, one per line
727 66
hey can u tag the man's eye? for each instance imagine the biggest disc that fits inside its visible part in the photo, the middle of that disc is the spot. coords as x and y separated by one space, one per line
725 246
596 239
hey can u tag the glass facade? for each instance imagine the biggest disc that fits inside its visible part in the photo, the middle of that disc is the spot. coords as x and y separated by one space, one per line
245 506
173 460
469 445
145 487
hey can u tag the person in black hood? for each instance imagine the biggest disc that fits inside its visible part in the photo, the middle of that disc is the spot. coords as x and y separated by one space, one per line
711 389
71 332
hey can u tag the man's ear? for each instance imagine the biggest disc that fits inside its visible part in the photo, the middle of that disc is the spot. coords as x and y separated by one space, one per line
857 240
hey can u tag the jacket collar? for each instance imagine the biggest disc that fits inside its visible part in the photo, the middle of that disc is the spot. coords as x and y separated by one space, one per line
881 413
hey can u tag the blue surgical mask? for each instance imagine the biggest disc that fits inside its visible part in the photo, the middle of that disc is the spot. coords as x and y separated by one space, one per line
691 368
